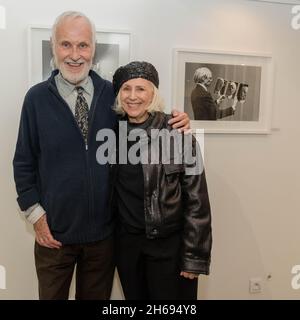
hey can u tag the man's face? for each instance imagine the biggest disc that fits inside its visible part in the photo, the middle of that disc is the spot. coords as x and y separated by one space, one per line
244 92
74 49
208 80
231 88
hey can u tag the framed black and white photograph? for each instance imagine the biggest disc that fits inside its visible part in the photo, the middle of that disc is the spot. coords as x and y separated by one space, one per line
112 50
224 92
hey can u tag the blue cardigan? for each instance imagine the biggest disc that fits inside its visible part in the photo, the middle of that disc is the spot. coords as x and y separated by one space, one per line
53 167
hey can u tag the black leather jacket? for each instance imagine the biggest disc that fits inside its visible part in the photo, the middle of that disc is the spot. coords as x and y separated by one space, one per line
176 202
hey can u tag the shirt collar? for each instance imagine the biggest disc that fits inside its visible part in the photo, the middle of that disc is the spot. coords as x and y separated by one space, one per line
68 88
202 85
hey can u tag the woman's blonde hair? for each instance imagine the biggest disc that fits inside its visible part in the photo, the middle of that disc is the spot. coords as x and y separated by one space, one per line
157 103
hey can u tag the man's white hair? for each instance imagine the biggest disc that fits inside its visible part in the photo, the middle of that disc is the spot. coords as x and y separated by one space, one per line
202 74
72 14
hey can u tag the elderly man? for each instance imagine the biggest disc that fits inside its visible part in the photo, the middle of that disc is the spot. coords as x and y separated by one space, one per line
204 107
61 188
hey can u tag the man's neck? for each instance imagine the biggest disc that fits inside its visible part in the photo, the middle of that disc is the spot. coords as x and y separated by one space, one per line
71 83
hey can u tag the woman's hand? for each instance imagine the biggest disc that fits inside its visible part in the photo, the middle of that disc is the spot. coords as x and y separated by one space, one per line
189 275
180 121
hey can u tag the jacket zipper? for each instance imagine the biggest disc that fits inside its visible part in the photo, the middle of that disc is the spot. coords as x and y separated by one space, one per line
89 175
86 148
89 178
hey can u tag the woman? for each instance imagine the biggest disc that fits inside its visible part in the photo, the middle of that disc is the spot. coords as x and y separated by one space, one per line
164 225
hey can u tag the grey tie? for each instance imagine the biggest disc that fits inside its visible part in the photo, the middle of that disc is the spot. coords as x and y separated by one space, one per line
81 113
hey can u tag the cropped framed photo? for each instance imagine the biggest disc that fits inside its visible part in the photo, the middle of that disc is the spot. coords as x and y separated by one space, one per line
112 50
279 1
224 92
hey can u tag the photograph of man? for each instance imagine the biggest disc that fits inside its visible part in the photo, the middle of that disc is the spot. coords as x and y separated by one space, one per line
242 92
203 104
219 85
231 89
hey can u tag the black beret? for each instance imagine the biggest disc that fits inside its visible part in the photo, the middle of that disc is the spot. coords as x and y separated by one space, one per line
132 70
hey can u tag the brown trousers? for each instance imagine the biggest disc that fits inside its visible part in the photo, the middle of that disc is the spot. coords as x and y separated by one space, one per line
94 270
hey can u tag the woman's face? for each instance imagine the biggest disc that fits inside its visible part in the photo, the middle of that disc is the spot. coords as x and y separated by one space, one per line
135 96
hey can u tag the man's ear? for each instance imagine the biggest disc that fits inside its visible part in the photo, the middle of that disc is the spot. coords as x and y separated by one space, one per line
52 62
94 53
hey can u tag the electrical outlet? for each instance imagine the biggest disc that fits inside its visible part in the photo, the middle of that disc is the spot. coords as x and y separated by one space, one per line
255 285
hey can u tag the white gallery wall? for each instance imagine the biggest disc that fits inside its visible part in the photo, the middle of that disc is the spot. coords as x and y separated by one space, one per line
253 180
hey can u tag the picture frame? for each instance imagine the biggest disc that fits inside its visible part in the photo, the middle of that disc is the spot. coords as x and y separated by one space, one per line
214 108
290 2
112 50
2 17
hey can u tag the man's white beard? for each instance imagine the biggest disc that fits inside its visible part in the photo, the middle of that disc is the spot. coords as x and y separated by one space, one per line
73 78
